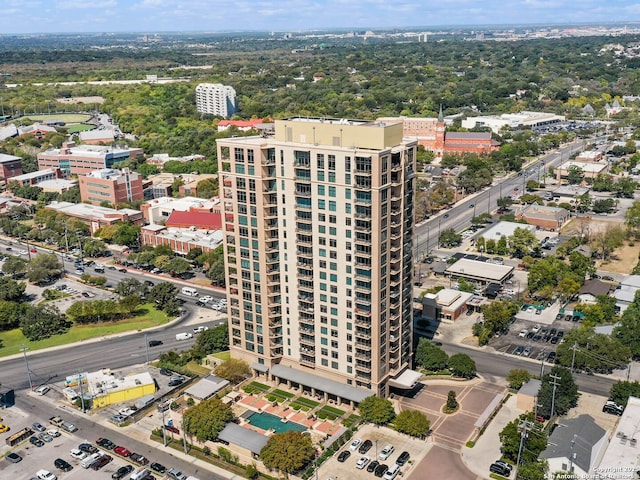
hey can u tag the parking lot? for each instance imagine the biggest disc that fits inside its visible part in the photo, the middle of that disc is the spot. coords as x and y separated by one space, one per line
536 336
379 438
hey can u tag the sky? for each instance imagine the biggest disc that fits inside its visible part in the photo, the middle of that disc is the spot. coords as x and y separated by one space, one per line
61 16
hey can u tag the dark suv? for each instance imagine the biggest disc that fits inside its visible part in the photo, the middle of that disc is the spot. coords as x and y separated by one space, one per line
403 458
500 469
613 408
365 447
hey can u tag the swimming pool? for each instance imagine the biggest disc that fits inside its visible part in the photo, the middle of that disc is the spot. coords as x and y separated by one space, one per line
266 421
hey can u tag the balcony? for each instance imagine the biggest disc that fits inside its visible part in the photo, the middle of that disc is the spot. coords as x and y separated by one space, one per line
363 367
306 165
303 193
305 253
307 361
363 289
308 340
363 333
306 320
268 161
362 171
276 351
270 213
363 227
363 355
306 287
362 310
396 167
362 322
305 274
305 240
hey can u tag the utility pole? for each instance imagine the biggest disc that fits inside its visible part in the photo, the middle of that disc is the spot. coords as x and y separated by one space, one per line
553 395
81 392
24 349
541 367
164 430
573 356
523 426
146 346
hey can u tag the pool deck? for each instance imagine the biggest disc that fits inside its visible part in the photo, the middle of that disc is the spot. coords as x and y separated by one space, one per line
311 422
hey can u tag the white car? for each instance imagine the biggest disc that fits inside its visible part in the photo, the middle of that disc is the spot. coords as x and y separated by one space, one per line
199 329
355 444
79 454
206 298
45 475
523 333
127 412
362 462
54 432
386 452
535 328
42 390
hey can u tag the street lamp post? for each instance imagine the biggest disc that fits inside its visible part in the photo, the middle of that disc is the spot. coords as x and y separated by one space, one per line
446 215
26 362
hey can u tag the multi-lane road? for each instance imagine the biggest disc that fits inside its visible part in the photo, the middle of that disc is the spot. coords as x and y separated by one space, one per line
459 216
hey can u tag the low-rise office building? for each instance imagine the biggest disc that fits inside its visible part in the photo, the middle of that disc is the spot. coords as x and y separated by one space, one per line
35 178
111 186
481 272
58 185
158 210
10 166
95 216
180 240
590 170
512 120
83 159
445 306
547 218
621 453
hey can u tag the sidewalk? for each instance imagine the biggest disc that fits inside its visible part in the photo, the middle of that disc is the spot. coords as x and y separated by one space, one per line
487 448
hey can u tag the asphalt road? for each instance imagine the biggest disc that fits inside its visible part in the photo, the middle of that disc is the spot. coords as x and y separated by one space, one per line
497 366
459 217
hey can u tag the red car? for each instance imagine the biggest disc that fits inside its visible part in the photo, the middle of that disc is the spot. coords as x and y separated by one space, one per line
122 451
173 429
33 250
101 462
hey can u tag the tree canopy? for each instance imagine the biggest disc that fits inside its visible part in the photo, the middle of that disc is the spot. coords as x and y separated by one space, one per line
288 452
207 419
412 422
566 392
430 356
376 410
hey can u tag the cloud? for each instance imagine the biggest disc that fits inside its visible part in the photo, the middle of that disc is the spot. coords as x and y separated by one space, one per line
85 5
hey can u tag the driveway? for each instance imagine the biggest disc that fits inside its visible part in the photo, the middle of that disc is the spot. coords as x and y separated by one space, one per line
450 433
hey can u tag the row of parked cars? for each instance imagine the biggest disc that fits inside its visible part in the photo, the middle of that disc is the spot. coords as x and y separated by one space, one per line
375 466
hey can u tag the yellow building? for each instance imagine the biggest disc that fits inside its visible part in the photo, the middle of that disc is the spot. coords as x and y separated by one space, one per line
107 388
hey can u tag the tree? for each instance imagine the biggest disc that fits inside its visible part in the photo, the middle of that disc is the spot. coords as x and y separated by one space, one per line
130 286
288 452
452 402
377 410
628 329
43 268
461 365
207 419
625 187
164 295
575 175
213 340
177 266
532 185
534 443
130 303
564 395
412 422
603 311
621 391
605 205
594 352
92 247
632 217
14 266
127 234
430 356
449 238
605 242
518 377
496 316
207 188
522 242
10 314
537 470
504 202
10 290
43 321
234 370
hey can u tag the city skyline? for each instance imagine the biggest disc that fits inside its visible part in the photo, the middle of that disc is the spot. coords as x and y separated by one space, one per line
63 16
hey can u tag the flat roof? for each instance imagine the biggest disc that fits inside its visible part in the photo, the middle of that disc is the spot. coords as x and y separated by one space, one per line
531 388
8 158
244 437
91 211
622 451
475 270
506 229
104 382
591 167
30 175
355 394
207 387
406 380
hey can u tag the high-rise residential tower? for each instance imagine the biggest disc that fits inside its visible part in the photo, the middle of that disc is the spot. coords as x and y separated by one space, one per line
216 99
318 223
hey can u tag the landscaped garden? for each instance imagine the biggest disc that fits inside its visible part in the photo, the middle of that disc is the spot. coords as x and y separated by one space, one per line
303 404
256 387
279 396
330 413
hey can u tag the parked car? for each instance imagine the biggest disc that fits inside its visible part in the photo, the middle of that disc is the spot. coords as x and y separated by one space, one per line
173 429
45 437
551 358
519 349
122 472
13 457
355 443
77 454
158 467
106 443
613 408
36 441
122 451
344 455
362 462
139 459
386 452
62 465
366 445
38 427
403 458
101 462
87 448
526 352
500 469
381 470
372 466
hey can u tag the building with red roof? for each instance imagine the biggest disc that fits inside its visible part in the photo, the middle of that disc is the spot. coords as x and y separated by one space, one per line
243 125
197 220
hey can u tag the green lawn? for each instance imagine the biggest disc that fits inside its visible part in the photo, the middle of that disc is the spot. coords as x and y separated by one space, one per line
65 117
256 387
80 127
224 356
306 402
147 316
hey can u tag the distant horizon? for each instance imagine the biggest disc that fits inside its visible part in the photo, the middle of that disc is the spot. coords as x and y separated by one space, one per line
39 17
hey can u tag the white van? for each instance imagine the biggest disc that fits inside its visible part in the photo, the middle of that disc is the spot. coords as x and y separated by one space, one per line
392 472
90 460
42 390
184 336
143 472
190 291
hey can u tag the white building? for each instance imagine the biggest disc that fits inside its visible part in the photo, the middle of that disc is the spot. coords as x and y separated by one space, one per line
216 99
159 209
621 455
513 120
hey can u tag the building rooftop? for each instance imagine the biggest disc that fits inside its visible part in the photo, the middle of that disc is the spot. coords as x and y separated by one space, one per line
32 175
531 388
107 173
184 204
574 438
571 190
631 281
200 220
91 211
8 158
207 387
58 183
622 451
480 270
542 211
104 381
97 151
588 167
505 229
203 238
97 134
243 437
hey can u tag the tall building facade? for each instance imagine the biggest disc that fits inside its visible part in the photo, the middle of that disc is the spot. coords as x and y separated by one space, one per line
318 223
216 99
